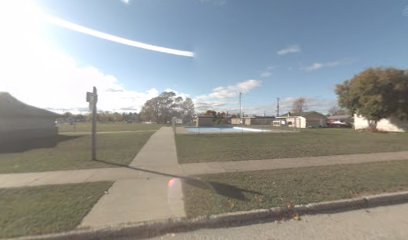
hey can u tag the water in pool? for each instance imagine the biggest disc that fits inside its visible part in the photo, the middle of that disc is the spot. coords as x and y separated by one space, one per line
223 130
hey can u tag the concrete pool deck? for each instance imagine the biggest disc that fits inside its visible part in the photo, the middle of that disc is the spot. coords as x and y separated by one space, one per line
239 130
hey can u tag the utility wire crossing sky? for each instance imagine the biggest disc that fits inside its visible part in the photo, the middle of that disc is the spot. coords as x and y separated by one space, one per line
78 28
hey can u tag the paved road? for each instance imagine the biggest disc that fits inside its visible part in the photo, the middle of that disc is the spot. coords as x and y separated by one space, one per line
385 223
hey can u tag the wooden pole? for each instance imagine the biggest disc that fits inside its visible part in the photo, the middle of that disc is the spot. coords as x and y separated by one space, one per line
94 100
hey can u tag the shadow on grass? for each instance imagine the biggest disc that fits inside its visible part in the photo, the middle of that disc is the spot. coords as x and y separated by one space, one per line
33 143
223 189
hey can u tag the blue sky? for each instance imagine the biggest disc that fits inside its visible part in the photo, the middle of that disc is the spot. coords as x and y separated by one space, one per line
266 49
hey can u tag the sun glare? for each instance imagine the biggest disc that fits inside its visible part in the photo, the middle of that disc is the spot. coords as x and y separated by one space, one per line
20 21
23 46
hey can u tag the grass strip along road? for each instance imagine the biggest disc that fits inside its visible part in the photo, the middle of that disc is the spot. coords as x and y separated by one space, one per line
108 127
46 209
73 152
229 192
307 143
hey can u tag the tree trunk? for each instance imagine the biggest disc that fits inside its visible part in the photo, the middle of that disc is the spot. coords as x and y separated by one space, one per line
372 125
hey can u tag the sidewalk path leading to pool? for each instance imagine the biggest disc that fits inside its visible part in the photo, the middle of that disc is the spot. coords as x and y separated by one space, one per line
148 197
104 132
146 170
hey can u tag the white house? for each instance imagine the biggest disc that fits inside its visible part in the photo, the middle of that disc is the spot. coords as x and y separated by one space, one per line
305 120
279 121
388 125
296 122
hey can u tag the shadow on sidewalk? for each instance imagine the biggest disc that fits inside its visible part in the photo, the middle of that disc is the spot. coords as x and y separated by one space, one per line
223 189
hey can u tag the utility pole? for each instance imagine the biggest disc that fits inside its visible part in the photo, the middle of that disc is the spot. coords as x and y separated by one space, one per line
240 107
277 108
92 98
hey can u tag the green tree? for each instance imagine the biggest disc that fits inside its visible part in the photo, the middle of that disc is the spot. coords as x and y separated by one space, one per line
211 113
162 108
376 93
187 108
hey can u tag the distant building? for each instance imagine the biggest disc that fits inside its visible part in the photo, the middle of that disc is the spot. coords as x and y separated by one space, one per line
258 120
21 122
253 120
389 125
236 121
204 121
296 122
305 120
211 121
315 119
279 122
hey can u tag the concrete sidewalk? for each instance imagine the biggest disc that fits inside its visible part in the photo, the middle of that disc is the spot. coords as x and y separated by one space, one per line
159 152
269 164
105 132
150 197
137 200
150 169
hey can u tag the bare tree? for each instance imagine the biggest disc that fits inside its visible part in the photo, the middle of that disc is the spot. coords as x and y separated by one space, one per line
299 105
335 110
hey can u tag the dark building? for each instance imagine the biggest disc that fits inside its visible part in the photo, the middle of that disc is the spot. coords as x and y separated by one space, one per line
20 122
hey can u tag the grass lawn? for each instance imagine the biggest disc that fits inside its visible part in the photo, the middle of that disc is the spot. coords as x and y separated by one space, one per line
101 127
46 209
309 142
272 188
74 152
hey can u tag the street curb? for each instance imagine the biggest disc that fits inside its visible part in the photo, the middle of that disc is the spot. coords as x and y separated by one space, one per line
155 228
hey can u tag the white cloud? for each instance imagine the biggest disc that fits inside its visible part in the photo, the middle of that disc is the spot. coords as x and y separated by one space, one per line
125 1
58 82
314 66
179 94
405 11
267 72
319 65
234 90
224 97
290 49
38 74
318 104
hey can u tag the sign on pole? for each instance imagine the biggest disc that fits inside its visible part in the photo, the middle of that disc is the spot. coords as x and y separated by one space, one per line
92 99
